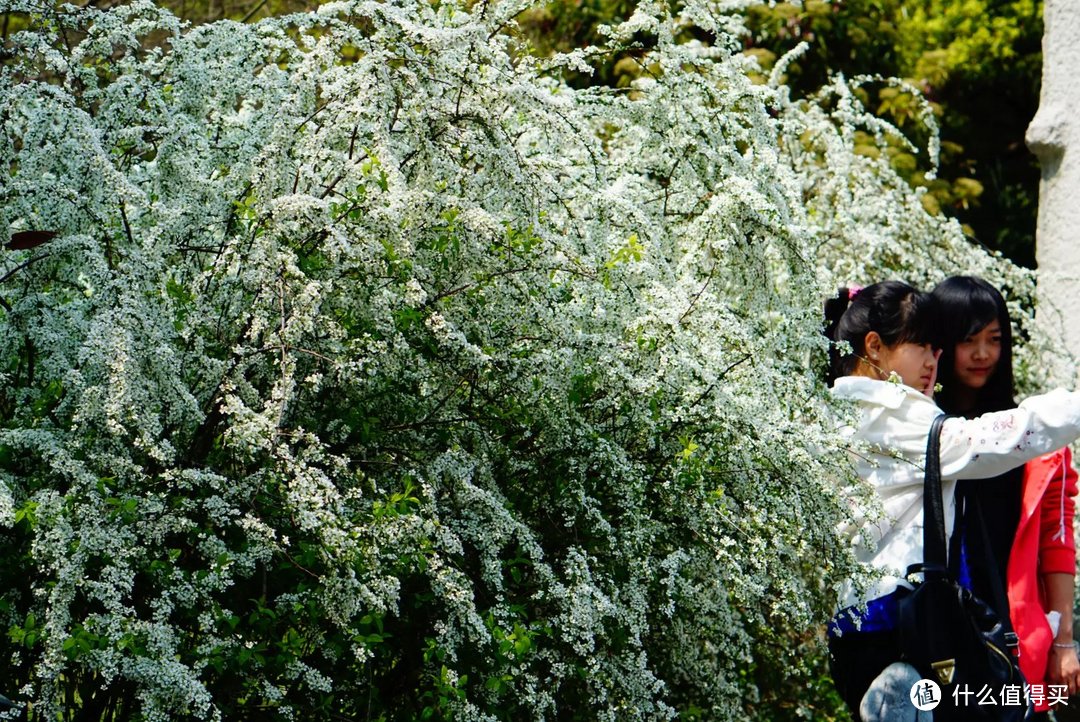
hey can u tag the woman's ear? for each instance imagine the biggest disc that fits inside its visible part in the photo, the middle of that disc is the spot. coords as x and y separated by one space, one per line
874 345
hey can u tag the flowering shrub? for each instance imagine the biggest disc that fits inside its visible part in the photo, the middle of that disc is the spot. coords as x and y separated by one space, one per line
374 373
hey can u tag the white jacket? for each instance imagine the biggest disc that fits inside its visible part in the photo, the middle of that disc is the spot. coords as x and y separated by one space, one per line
894 421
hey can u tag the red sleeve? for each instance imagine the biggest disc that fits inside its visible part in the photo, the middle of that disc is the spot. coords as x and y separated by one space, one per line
1057 546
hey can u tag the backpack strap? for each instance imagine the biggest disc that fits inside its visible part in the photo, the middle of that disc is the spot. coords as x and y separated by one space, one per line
934 556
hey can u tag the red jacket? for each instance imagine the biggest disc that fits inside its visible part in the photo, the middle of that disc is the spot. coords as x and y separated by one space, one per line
1044 544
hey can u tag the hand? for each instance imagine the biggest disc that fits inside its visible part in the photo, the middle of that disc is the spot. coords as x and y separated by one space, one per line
1063 667
929 390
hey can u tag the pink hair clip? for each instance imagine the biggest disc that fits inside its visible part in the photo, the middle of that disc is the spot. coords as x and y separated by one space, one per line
852 292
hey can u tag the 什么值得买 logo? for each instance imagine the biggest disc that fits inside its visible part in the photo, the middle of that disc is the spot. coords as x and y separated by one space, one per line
925 695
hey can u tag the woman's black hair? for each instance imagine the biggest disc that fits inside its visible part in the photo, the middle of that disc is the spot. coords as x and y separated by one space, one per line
895 310
968 304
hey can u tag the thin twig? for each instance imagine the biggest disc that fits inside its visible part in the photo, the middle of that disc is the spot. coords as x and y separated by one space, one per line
284 350
251 13
21 266
694 300
127 230
466 286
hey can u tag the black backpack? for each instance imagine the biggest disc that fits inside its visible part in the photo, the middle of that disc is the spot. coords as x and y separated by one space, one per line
951 636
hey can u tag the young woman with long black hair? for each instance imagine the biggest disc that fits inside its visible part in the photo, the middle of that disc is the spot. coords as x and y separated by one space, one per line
1027 512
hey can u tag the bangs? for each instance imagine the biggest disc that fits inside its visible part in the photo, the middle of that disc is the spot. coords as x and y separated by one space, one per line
921 322
978 314
968 304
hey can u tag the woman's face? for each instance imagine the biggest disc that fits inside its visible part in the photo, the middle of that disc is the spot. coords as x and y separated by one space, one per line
977 356
915 363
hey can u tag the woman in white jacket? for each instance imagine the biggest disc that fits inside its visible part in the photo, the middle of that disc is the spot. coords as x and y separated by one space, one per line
887 370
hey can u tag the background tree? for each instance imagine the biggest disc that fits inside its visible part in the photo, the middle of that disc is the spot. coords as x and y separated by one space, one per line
978 62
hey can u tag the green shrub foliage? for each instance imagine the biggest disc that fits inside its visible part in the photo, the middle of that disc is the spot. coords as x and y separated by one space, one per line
979 62
372 372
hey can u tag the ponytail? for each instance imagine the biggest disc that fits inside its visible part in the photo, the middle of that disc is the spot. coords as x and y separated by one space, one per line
834 311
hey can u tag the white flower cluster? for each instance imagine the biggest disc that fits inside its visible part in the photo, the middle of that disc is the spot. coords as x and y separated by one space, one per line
372 371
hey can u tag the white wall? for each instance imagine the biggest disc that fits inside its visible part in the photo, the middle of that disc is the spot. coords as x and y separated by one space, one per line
1054 136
